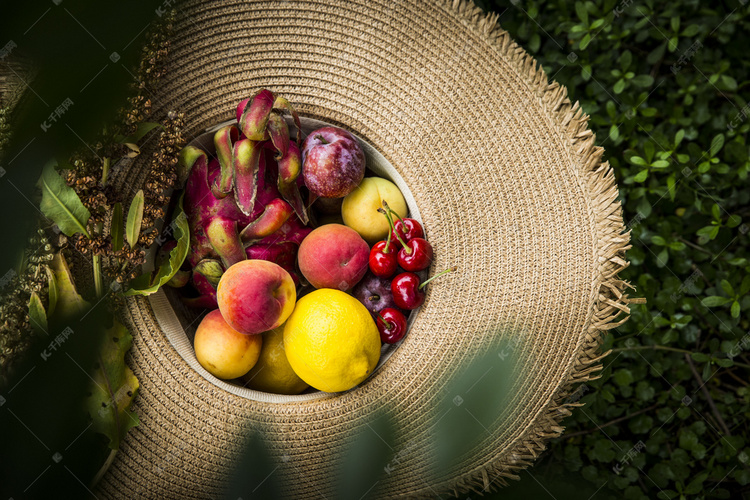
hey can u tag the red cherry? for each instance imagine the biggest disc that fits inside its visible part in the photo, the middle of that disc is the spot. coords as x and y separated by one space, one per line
406 291
415 255
407 229
383 261
391 325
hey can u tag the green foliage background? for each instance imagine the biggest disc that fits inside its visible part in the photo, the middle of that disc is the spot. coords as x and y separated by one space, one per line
665 84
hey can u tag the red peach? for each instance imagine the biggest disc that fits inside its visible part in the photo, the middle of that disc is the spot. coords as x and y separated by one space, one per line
255 296
333 256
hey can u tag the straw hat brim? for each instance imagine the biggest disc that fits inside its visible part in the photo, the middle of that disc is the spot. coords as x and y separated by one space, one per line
511 188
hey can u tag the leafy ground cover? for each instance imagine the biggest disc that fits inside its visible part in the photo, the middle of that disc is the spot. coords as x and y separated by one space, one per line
665 85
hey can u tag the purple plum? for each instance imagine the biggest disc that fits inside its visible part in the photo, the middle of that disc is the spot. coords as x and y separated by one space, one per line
375 293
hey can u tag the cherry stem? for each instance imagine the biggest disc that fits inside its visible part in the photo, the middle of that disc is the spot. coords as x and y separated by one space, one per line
390 210
438 274
388 324
393 229
388 242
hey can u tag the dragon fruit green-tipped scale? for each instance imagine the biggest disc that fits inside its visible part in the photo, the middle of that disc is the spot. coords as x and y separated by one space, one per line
245 203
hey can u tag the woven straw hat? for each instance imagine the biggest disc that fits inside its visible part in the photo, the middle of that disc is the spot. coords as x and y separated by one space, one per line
510 187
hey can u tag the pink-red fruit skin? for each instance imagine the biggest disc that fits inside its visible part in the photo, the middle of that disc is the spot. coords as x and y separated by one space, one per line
333 163
255 296
333 256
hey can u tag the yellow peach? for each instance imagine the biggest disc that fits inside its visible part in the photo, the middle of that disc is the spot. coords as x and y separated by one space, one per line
360 207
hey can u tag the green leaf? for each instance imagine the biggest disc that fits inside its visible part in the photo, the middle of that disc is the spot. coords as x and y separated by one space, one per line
626 59
728 83
644 207
623 377
37 315
674 22
691 30
745 285
734 220
736 309
642 81
602 451
662 258
114 387
700 357
641 176
677 246
116 228
648 149
724 362
688 439
657 53
619 86
658 240
135 217
69 303
742 476
714 301
61 204
51 291
637 160
670 337
678 137
641 424
673 41
661 321
696 485
727 287
585 43
736 150
716 211
141 130
716 144
582 13
144 285
671 186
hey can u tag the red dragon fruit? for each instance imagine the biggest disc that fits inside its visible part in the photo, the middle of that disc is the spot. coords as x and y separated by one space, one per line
245 203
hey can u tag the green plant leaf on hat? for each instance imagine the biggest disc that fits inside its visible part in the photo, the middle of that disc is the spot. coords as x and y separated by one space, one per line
116 230
37 314
113 388
51 291
145 284
135 218
61 204
68 302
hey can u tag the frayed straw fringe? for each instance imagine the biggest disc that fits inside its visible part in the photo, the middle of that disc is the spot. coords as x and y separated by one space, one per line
612 243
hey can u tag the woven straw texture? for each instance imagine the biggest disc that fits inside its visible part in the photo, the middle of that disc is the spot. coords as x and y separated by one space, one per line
509 184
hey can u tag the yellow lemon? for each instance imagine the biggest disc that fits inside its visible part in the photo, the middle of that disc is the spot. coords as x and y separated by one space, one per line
272 372
331 340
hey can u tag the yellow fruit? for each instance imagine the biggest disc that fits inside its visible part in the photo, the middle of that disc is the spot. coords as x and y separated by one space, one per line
222 350
360 208
331 340
272 372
